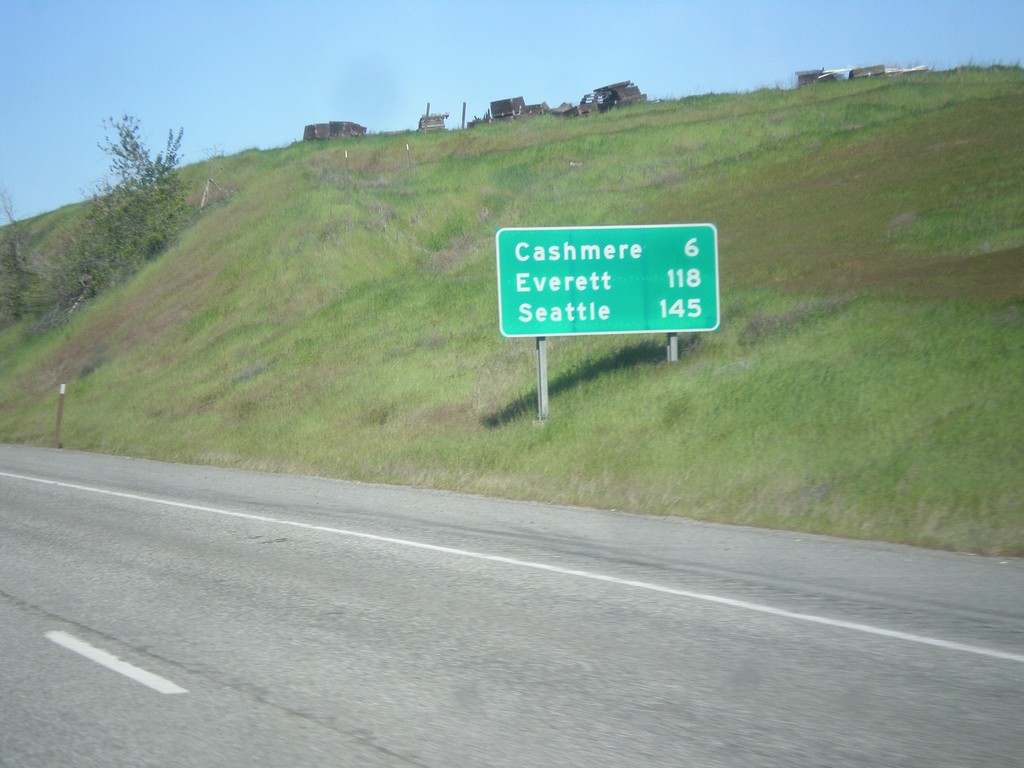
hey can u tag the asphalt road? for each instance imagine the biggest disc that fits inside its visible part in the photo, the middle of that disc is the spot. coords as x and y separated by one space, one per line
166 615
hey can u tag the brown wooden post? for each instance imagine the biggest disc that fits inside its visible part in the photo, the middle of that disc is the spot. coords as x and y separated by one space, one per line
60 416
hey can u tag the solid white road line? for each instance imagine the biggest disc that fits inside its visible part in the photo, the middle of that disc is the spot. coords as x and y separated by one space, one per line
108 660
866 629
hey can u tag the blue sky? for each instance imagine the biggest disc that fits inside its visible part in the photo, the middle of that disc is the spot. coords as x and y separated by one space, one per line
237 75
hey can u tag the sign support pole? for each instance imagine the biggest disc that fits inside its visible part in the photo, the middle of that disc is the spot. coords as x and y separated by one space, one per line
542 378
673 347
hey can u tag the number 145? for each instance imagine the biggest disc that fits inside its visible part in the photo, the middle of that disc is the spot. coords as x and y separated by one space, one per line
680 308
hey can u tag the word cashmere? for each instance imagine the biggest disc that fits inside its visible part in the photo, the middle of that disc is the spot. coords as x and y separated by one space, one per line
569 252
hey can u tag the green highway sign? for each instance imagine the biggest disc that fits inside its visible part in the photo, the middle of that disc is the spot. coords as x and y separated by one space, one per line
589 280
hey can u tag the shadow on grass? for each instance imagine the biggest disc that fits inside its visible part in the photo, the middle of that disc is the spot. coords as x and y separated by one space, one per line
640 353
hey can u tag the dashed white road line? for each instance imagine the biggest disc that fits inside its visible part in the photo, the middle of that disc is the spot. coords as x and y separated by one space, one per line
110 661
744 605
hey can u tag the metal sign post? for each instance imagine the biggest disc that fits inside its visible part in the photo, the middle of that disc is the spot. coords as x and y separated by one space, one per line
542 378
673 347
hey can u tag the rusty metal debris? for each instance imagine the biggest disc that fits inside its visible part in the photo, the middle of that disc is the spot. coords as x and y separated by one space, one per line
433 122
601 100
617 95
505 110
565 109
332 130
872 71
811 76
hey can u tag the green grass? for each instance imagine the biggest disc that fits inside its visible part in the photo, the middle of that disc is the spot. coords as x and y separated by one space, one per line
338 316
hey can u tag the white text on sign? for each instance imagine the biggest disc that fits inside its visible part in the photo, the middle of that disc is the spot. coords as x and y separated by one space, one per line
569 252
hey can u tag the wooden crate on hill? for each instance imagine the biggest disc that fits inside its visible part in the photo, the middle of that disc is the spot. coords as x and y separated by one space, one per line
433 122
335 129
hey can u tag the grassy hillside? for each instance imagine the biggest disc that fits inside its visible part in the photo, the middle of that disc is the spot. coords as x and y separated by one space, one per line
337 315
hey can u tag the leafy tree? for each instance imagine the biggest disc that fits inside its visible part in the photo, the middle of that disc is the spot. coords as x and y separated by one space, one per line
133 216
136 215
14 271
